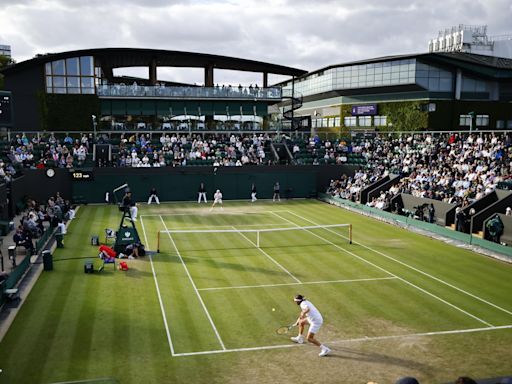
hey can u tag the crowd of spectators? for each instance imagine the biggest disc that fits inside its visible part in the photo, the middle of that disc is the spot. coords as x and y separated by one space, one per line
181 150
37 218
454 168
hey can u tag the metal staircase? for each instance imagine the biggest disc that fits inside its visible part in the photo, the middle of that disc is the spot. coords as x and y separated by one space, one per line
291 122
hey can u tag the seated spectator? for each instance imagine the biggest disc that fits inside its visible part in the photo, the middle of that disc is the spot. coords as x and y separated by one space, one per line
22 238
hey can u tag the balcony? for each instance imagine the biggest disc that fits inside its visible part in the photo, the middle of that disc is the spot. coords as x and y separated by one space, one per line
187 93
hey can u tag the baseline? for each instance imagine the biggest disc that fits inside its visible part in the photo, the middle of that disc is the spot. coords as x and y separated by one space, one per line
209 213
400 278
354 340
414 269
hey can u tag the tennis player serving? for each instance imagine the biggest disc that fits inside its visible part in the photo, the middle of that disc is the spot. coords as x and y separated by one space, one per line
309 315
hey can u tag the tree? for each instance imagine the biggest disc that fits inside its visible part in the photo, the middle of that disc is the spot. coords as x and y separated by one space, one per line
4 62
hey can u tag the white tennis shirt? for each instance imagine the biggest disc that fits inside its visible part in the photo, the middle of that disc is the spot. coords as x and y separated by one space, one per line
313 315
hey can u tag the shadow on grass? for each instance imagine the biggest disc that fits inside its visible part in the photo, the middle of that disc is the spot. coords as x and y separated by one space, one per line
374 357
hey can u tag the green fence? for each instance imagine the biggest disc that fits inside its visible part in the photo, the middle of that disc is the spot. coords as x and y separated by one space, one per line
409 222
22 267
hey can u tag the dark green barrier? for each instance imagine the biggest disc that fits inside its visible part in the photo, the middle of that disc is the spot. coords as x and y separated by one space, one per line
406 221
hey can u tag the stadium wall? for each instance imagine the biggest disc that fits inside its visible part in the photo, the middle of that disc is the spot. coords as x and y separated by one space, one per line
176 184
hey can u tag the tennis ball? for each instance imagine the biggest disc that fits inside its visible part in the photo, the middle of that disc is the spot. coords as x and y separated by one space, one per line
273 309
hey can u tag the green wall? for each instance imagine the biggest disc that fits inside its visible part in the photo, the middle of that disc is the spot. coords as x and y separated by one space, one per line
177 184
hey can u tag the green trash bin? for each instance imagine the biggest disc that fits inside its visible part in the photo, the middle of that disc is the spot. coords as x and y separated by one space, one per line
60 240
47 261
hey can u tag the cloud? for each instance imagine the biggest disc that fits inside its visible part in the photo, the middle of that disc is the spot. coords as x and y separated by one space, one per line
299 33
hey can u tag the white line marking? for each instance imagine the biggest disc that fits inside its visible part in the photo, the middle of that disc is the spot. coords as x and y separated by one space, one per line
392 274
194 286
355 340
158 293
194 213
416 269
266 254
303 283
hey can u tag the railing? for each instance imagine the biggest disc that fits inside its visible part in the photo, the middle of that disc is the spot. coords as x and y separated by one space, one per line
249 93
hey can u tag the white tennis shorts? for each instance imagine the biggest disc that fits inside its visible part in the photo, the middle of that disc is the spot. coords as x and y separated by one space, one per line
218 201
314 327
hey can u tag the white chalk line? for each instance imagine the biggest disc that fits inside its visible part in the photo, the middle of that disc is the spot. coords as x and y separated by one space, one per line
166 324
195 288
266 254
210 213
354 340
416 269
302 283
392 274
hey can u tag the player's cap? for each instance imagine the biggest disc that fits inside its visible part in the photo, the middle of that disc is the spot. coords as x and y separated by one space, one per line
218 190
298 298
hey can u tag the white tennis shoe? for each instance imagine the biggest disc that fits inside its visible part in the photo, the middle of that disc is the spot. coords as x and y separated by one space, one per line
325 351
298 339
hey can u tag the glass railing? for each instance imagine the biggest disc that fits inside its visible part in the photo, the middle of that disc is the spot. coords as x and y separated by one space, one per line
229 92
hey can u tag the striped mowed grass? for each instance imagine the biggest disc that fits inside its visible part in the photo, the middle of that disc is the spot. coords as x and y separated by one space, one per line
395 303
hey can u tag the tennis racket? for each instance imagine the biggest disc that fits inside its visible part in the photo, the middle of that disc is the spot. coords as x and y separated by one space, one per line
285 329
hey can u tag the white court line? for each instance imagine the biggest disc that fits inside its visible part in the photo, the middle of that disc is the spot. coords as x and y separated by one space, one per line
194 286
194 213
303 283
266 254
392 274
414 269
355 340
158 293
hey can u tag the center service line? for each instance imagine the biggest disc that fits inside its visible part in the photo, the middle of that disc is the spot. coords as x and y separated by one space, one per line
266 254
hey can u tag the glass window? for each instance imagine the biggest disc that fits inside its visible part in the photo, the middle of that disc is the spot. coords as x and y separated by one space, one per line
465 120
48 68
350 121
59 82
48 81
445 85
482 120
73 90
58 68
500 124
433 84
509 124
73 82
86 66
72 67
380 121
87 82
59 90
365 121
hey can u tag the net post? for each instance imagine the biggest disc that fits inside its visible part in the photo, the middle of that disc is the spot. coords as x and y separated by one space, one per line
350 233
158 242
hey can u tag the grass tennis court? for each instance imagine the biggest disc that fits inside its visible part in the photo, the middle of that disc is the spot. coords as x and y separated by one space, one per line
200 311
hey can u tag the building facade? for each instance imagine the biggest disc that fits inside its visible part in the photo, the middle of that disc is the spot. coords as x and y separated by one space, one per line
432 91
78 90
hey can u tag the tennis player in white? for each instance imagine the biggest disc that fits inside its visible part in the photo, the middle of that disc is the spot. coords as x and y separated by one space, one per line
309 315
217 199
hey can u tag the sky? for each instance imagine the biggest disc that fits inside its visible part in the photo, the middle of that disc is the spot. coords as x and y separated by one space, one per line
298 33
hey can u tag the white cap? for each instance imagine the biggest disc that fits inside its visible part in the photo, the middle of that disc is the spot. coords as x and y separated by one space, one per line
218 190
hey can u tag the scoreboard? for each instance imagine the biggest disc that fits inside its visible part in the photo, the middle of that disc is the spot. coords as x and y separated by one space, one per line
5 109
